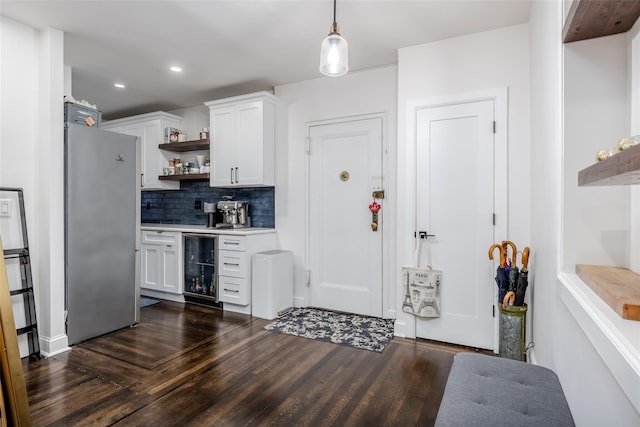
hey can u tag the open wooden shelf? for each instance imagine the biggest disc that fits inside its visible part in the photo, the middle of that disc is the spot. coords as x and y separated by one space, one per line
588 19
198 144
185 177
622 168
618 287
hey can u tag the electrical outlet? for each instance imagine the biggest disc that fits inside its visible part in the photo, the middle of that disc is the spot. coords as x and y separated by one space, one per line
197 204
5 207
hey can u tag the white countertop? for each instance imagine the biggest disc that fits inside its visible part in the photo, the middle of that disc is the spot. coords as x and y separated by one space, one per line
187 228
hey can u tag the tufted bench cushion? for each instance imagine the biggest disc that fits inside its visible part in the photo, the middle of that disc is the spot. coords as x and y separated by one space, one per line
491 391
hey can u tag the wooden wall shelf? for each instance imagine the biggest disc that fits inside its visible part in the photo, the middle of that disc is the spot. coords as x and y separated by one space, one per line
589 19
620 169
198 144
618 287
185 177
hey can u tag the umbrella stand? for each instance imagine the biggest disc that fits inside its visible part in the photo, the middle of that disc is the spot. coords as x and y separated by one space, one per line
513 320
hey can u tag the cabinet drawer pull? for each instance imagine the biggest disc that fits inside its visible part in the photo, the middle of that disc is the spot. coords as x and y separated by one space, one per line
168 246
231 290
232 263
232 243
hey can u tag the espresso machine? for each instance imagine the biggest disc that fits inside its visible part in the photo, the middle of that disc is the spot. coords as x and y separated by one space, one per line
234 214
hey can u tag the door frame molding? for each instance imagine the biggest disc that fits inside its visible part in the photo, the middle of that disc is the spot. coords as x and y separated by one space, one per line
389 218
406 323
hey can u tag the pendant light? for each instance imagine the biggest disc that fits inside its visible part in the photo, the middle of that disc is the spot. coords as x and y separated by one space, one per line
334 55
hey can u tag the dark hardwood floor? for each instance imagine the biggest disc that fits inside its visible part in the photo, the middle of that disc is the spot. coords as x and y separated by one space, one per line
191 365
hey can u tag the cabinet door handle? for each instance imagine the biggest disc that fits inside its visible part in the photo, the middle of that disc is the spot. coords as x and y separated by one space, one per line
237 175
168 246
232 175
141 180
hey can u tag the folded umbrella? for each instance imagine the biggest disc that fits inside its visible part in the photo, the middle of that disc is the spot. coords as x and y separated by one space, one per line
523 279
502 279
513 270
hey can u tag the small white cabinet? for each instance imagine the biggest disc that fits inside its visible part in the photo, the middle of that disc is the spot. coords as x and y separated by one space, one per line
243 140
161 261
150 129
234 268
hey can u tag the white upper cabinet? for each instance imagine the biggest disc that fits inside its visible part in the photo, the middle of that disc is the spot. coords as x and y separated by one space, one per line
150 129
243 140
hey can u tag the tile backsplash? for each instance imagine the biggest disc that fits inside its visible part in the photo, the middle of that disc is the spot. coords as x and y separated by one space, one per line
177 207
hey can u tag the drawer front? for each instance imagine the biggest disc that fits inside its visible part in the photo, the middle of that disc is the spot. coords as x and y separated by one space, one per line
233 290
232 263
160 237
233 243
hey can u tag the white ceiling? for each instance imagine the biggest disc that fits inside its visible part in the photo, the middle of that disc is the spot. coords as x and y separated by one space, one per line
234 47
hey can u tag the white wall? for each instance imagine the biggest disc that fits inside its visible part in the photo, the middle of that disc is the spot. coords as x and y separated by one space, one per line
31 134
595 398
325 98
472 63
596 116
634 73
193 120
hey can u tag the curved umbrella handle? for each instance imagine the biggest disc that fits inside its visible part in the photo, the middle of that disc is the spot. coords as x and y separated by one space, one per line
525 258
509 298
502 253
514 250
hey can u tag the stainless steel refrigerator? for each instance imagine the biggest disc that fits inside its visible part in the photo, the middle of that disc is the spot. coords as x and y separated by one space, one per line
102 220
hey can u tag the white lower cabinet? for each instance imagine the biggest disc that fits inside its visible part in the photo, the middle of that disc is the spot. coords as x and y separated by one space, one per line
234 290
234 268
161 261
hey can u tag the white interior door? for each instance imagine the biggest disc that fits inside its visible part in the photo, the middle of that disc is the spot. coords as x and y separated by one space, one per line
455 201
345 254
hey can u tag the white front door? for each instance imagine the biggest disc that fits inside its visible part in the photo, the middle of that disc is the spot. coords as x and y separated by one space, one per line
455 202
345 254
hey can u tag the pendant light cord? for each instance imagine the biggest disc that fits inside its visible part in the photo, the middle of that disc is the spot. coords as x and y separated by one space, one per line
335 24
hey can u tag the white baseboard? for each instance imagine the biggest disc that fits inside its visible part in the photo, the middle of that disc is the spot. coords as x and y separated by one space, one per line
399 329
162 295
298 302
52 346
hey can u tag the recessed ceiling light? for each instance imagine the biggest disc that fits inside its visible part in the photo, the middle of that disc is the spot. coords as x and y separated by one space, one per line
119 85
176 69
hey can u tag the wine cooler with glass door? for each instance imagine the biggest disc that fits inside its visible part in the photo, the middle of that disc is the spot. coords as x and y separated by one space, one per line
200 269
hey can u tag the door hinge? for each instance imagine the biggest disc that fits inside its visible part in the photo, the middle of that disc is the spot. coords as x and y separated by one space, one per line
494 126
493 219
308 145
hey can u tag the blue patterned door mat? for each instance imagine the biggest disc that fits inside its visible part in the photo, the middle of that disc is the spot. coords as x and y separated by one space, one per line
363 332
146 302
